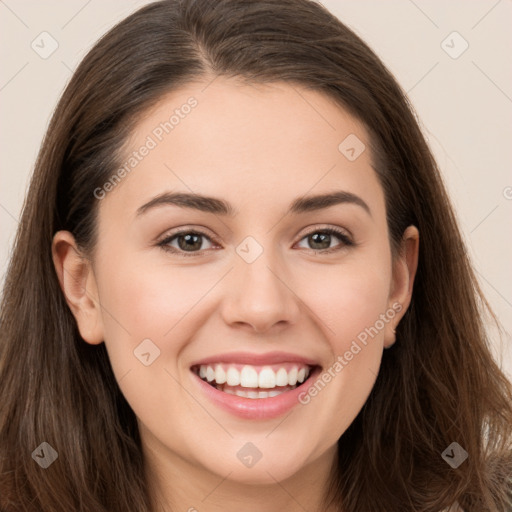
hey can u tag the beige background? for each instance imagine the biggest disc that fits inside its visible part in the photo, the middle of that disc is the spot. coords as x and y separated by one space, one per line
464 103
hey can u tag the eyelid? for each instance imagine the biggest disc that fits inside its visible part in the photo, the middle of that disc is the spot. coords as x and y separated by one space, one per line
325 227
165 239
343 235
185 230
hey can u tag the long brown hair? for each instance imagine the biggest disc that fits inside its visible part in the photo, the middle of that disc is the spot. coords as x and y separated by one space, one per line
438 384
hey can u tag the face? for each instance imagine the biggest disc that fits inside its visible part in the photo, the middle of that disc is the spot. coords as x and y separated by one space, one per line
211 309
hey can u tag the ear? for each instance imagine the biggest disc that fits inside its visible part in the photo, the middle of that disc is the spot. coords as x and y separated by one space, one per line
404 271
78 284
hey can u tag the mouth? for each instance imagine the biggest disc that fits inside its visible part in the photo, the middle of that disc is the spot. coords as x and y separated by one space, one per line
255 386
254 381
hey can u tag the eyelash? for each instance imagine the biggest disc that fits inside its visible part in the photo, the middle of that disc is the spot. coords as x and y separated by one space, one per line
343 237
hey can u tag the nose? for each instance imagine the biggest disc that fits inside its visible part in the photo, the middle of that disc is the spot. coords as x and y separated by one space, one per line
259 296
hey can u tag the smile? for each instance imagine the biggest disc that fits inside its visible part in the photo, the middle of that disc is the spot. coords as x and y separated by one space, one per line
253 382
254 386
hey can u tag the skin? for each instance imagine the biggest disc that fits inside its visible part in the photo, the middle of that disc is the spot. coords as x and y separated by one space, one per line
259 147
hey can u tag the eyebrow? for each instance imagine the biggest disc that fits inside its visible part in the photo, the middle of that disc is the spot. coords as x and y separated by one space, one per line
217 206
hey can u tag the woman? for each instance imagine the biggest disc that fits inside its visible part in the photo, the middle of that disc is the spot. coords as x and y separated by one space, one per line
238 280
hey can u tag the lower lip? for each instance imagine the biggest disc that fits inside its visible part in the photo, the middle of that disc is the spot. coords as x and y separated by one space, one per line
256 408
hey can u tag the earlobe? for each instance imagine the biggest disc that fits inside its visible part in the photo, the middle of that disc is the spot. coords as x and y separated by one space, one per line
404 272
78 284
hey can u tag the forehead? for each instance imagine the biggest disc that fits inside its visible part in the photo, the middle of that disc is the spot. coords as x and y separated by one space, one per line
254 145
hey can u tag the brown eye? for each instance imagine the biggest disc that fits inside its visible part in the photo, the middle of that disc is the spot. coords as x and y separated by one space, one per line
187 241
320 240
190 242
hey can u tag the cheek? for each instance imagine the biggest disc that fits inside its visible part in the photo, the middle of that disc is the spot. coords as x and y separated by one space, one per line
149 301
155 302
349 300
346 298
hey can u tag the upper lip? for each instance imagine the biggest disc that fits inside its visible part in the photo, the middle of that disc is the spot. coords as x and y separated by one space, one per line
255 359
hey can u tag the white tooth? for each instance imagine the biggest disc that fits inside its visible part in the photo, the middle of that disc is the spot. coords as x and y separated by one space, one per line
202 371
249 377
210 374
301 375
241 393
220 374
263 394
292 376
233 376
252 394
307 372
267 378
274 392
282 377
229 391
